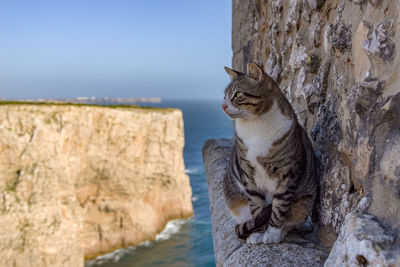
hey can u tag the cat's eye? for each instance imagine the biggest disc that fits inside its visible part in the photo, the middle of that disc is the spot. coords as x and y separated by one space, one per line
239 94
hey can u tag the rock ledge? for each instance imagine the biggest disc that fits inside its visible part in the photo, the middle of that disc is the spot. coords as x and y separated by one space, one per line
228 249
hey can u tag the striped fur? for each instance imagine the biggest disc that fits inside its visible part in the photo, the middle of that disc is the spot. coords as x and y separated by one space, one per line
270 185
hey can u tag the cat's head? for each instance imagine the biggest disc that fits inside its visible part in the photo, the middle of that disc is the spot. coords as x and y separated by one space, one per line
248 94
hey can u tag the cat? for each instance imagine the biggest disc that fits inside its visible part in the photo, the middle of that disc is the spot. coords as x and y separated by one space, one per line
271 184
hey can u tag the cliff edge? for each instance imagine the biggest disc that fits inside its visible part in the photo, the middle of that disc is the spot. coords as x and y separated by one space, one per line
77 181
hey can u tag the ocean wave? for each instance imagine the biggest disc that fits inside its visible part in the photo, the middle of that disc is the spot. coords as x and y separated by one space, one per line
114 256
147 243
170 229
194 198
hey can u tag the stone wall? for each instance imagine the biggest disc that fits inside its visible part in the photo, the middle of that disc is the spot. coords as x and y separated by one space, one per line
79 181
337 63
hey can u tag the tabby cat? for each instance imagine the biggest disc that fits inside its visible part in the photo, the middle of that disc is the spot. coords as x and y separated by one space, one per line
270 185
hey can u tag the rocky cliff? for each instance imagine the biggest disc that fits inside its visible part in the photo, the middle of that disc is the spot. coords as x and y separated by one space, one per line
338 64
78 181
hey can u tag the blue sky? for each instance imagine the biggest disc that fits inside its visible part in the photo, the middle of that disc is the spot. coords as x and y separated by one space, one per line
115 48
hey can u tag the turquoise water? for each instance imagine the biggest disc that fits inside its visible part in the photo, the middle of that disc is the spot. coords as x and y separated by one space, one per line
184 242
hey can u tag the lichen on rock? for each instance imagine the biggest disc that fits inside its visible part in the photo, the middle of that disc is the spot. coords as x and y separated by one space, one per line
380 42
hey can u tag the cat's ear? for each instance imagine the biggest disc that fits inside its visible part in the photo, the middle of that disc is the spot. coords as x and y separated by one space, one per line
255 71
232 73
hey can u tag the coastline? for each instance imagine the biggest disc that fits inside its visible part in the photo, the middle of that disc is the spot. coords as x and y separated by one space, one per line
82 180
171 228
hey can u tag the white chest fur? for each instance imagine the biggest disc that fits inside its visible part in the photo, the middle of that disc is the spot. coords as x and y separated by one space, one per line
258 135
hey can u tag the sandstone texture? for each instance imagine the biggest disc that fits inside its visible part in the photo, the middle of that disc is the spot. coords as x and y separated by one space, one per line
77 181
229 250
338 64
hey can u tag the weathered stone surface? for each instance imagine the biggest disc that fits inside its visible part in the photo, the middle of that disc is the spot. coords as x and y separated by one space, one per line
341 37
337 63
380 41
79 181
338 66
296 250
361 60
375 2
245 21
363 241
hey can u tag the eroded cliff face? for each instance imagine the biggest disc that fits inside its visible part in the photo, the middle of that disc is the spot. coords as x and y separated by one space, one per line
338 63
79 181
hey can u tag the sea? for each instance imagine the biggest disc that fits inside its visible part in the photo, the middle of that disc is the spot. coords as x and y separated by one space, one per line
183 242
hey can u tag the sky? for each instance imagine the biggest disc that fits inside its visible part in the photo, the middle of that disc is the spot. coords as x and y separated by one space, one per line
149 48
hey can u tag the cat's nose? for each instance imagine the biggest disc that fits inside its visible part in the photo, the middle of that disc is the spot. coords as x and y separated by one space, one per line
224 106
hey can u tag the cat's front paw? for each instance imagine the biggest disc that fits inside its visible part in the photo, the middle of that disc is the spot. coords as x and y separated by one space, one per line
273 235
255 238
